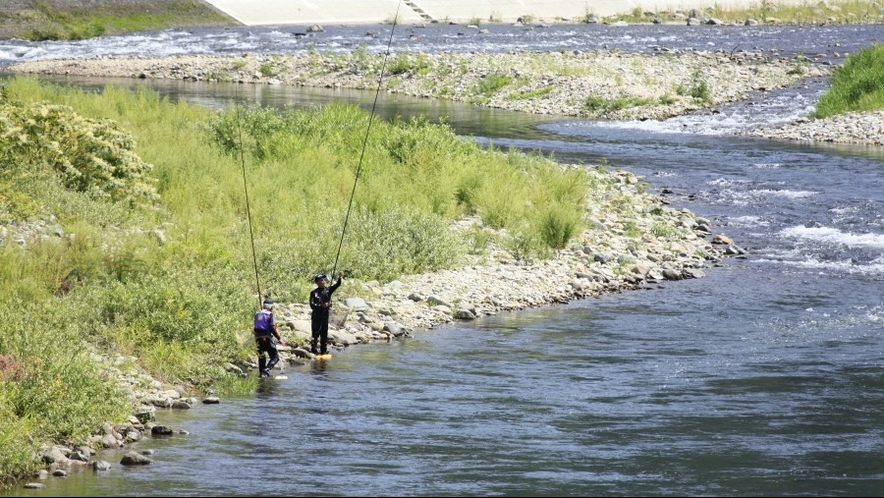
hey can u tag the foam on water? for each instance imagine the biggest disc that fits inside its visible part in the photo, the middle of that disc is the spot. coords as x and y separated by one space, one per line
834 236
750 221
784 193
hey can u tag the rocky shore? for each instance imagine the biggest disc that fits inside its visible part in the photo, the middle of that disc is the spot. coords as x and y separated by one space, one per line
638 243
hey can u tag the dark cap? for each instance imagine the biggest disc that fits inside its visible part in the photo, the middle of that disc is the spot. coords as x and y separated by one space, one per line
268 303
320 276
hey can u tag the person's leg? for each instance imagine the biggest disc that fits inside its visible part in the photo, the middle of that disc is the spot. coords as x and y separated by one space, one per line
274 355
323 337
314 326
262 358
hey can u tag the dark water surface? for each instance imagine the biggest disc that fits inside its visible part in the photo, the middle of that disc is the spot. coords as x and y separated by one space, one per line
765 378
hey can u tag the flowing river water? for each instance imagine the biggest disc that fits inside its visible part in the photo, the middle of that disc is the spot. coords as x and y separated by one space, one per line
765 378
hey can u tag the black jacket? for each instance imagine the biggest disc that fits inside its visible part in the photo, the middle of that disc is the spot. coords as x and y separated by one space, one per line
322 295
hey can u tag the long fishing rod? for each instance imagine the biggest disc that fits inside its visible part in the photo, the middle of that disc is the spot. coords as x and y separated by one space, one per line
365 139
245 184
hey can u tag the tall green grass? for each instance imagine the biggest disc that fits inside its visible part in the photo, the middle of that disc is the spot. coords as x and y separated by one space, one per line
52 388
142 233
857 85
81 22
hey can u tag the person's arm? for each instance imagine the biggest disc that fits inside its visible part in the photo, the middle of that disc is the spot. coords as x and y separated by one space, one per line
338 283
315 301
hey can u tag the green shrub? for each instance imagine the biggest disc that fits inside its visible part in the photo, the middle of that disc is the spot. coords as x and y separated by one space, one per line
17 442
268 69
90 156
697 89
60 392
492 83
857 85
406 63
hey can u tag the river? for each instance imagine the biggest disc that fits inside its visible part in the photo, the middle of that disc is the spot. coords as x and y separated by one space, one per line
765 378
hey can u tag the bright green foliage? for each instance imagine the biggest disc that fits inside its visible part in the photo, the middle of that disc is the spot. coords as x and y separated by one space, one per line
17 447
52 389
404 63
413 175
81 20
857 85
90 156
492 83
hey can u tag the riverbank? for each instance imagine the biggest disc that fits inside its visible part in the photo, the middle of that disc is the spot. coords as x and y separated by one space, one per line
80 19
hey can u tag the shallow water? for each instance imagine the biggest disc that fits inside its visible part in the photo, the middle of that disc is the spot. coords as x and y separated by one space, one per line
764 378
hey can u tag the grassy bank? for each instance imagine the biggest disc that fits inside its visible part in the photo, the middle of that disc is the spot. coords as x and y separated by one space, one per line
857 85
54 20
126 235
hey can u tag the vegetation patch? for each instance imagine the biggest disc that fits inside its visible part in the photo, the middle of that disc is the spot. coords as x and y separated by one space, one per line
857 85
490 84
408 63
76 23
531 94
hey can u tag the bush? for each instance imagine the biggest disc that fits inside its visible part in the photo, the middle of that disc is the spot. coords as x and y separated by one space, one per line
90 156
58 392
857 85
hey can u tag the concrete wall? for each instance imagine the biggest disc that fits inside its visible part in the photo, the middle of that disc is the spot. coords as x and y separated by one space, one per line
263 12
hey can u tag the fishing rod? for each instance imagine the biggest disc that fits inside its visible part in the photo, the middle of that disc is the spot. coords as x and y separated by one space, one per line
365 139
245 185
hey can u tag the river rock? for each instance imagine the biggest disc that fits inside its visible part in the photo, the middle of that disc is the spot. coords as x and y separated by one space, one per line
135 458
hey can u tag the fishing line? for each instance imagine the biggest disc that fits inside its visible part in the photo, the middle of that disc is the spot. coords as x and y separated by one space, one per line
365 139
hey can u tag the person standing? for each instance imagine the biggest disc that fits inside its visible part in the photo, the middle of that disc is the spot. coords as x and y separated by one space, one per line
320 303
265 332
